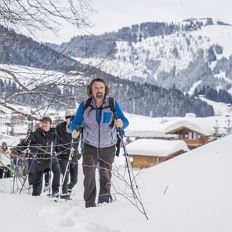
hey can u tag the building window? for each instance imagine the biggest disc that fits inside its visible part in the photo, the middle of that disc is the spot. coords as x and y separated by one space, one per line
194 135
190 135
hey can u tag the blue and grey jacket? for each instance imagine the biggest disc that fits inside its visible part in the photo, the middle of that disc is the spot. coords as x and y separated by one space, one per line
96 123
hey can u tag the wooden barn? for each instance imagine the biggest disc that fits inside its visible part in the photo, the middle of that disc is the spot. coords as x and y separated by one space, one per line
18 118
193 135
146 153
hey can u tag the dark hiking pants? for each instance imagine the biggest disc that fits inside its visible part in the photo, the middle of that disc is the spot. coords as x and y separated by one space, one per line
104 158
71 174
46 176
38 179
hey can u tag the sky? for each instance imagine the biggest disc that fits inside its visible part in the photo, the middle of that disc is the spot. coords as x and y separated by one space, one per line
189 193
110 15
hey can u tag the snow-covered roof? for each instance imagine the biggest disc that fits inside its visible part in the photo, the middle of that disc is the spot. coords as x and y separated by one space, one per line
187 124
146 133
155 147
205 125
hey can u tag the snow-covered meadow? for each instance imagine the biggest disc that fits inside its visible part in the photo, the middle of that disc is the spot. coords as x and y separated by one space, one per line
191 192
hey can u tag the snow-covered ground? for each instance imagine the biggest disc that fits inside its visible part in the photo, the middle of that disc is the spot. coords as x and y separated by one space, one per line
154 55
156 127
220 108
189 193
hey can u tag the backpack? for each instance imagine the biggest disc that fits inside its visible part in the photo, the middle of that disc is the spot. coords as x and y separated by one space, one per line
112 108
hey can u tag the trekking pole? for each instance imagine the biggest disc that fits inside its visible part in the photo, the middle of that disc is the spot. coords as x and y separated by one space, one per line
71 153
30 166
128 166
14 177
24 142
136 197
29 170
50 171
120 134
130 172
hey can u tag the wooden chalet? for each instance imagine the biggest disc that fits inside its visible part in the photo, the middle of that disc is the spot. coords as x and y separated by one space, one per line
193 135
18 118
144 153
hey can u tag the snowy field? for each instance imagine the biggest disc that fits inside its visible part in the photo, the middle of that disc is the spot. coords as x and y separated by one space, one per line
189 193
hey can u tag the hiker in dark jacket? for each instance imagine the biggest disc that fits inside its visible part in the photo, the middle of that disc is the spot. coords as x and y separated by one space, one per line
22 160
99 137
40 146
63 148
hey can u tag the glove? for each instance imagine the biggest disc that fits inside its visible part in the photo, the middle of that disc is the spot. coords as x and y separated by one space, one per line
75 134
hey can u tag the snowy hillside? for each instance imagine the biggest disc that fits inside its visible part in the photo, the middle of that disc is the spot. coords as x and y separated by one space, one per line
189 193
182 58
32 78
220 108
37 87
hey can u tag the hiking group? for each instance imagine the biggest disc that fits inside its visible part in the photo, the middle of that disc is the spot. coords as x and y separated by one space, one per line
54 151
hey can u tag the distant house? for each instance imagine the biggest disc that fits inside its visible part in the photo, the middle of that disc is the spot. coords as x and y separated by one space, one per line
193 135
132 135
145 153
18 119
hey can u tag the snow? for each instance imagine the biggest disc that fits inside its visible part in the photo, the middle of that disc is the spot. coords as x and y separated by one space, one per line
194 86
183 123
142 126
217 34
191 192
153 55
155 147
220 108
31 78
222 75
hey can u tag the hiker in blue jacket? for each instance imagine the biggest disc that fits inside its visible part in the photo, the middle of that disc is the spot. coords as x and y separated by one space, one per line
98 118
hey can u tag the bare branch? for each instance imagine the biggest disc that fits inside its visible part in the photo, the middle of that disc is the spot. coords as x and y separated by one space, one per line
44 14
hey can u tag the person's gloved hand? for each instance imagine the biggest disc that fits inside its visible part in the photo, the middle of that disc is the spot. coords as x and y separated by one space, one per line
75 134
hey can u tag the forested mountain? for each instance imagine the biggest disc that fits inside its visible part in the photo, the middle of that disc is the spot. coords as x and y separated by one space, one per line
104 45
21 50
135 97
142 99
189 54
220 95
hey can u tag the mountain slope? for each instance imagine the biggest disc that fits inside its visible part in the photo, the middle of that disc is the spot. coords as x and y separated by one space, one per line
195 52
139 98
21 50
143 99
